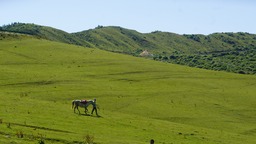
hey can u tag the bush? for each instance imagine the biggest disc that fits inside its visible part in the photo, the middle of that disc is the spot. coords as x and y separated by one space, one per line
88 139
41 141
20 134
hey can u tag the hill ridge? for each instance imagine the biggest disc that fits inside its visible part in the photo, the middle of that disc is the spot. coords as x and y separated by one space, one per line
195 50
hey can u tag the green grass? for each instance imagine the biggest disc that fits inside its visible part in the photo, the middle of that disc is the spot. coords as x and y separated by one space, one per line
139 99
45 32
231 52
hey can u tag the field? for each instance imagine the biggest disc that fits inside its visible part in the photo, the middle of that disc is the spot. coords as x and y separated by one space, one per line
138 99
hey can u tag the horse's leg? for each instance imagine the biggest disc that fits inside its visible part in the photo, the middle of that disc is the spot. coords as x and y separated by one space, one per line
85 107
85 110
78 110
75 109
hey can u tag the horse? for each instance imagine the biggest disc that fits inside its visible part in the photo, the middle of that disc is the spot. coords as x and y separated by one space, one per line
84 104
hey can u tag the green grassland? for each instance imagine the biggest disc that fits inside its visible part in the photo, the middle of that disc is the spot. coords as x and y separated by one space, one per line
138 99
231 52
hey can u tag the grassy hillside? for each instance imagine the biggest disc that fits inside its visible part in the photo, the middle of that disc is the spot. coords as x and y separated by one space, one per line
232 52
139 99
241 61
45 32
202 51
119 39
237 55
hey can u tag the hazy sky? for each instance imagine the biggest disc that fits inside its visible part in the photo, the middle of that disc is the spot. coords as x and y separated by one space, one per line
178 16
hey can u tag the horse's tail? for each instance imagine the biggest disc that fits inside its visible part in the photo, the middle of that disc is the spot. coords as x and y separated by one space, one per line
73 102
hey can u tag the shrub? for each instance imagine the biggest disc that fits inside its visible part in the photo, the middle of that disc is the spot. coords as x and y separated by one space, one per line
88 139
8 125
20 134
41 141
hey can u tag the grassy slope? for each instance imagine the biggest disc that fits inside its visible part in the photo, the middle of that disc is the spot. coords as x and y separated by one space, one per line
119 39
232 52
139 99
165 43
46 33
193 50
130 41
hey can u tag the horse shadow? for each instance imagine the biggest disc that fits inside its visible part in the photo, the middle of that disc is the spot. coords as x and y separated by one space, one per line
95 116
85 114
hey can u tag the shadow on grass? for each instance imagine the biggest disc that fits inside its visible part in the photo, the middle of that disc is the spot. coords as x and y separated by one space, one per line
38 127
95 116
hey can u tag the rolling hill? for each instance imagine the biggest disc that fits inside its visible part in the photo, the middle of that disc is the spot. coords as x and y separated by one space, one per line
232 52
45 32
139 99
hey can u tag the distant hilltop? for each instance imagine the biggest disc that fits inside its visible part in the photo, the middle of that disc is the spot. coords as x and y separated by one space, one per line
232 52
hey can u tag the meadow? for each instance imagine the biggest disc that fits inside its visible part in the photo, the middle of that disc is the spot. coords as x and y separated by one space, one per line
230 52
138 99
